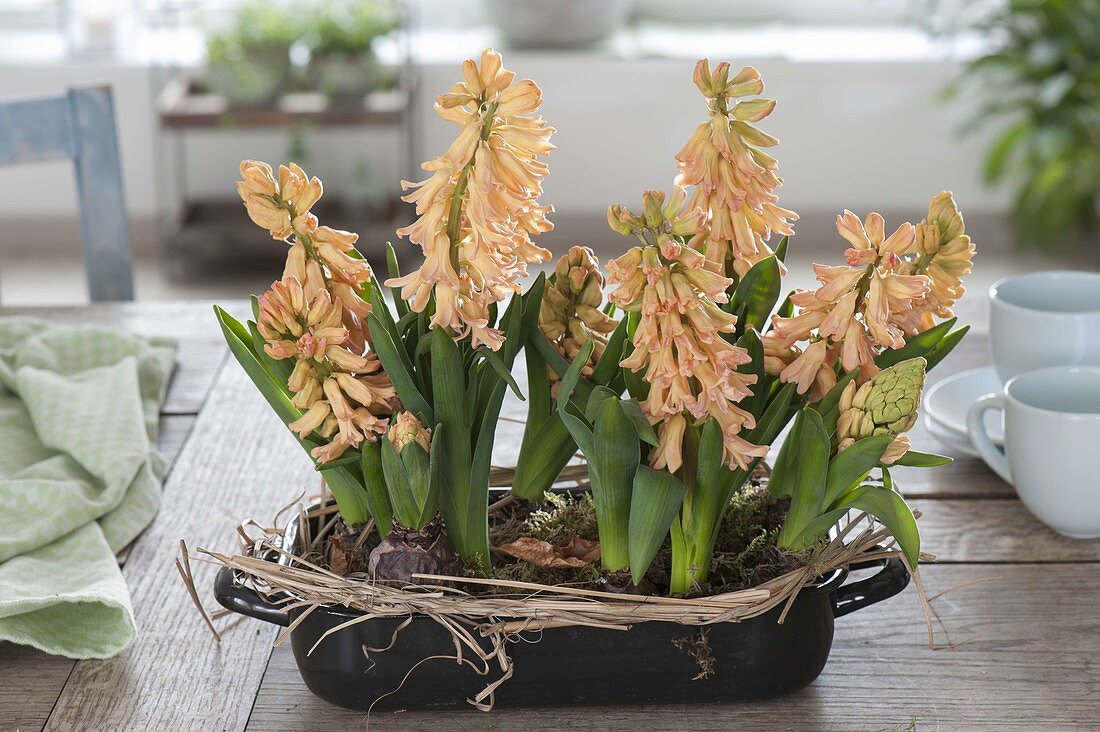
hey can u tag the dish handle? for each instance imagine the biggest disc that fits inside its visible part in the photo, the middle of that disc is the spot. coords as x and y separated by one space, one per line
887 582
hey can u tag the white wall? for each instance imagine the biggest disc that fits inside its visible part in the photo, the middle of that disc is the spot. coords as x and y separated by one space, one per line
856 132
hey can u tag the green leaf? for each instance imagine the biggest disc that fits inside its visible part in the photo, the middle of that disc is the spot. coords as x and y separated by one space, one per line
612 463
657 496
645 430
892 511
944 347
394 270
572 375
406 509
755 404
756 294
502 371
599 395
349 493
801 471
462 503
852 464
375 484
636 385
436 477
608 364
917 345
916 459
395 361
781 250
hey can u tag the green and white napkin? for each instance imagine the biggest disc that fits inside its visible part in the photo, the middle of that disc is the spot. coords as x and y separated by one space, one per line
79 479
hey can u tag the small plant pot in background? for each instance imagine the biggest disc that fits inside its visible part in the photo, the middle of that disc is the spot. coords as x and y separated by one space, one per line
347 77
255 79
653 662
558 23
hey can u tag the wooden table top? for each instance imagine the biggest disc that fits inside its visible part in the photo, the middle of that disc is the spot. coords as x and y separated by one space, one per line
1016 653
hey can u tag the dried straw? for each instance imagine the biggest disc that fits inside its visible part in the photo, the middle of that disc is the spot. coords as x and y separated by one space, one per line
482 625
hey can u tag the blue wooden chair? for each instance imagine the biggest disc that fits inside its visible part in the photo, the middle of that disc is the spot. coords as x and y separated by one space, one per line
80 125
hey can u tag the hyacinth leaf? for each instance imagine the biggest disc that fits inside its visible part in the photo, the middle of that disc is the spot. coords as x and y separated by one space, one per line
944 347
917 459
636 385
436 476
396 364
917 345
608 364
801 471
376 485
481 462
656 501
708 472
346 489
393 270
545 437
781 250
406 321
279 369
892 512
400 483
645 430
756 295
572 376
852 464
531 302
464 507
599 395
750 341
829 406
502 371
612 464
786 308
775 417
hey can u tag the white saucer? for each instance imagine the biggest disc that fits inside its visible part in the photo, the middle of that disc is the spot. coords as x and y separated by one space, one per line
948 438
947 402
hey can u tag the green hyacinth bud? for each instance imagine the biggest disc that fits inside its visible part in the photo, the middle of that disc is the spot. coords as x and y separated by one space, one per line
886 404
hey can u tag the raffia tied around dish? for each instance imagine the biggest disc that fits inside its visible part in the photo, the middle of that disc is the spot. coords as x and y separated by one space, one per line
479 208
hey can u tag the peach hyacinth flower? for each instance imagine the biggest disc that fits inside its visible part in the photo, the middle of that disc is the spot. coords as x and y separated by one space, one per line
890 287
479 208
690 368
945 255
734 180
320 258
345 397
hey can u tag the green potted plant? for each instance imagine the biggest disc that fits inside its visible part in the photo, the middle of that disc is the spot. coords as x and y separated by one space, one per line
683 567
341 38
1037 83
249 61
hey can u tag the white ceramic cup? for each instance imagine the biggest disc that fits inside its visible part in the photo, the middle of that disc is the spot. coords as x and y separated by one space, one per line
1044 319
1052 436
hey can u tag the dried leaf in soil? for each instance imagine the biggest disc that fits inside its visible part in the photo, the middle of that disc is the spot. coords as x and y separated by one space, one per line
578 553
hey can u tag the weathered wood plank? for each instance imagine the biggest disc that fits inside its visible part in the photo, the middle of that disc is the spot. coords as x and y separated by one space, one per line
240 462
995 530
30 682
202 349
1027 662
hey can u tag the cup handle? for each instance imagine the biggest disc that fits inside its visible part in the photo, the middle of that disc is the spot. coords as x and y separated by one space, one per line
975 425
